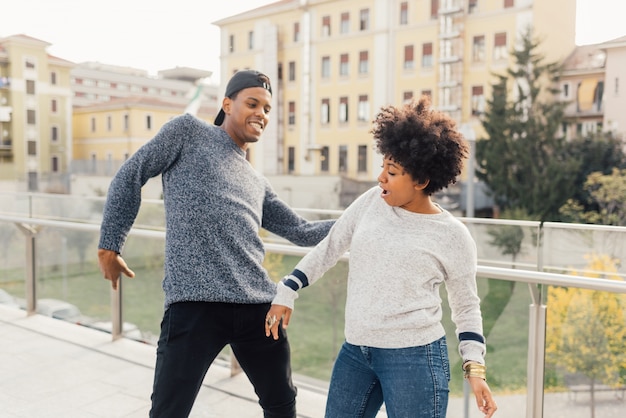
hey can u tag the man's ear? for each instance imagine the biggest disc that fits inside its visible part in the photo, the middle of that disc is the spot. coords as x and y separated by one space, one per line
226 102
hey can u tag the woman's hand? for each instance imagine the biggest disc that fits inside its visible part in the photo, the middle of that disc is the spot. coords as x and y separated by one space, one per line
273 319
484 399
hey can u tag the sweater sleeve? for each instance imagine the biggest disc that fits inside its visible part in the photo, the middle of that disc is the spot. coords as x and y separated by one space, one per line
281 220
321 258
124 194
464 300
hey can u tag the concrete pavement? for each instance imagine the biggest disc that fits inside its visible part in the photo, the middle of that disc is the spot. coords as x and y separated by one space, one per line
50 368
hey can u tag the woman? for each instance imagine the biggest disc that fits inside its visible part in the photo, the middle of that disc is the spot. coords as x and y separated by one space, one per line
403 246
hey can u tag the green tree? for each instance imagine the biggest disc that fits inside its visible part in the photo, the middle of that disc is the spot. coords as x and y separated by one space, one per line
597 152
586 329
605 193
523 160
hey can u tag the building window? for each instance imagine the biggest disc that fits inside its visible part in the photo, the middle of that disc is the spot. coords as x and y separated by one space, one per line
324 154
616 89
565 91
32 148
30 64
326 26
343 109
231 43
126 122
55 164
250 40
426 93
471 6
109 123
149 122
509 3
291 159
343 158
54 133
364 62
291 117
292 71
362 162
53 78
345 23
93 124
325 112
363 109
30 87
54 106
499 46
478 101
296 32
478 49
407 96
325 67
427 55
344 65
409 60
364 19
434 9
404 13
31 117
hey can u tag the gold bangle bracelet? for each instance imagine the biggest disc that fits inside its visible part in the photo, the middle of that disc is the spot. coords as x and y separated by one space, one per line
475 370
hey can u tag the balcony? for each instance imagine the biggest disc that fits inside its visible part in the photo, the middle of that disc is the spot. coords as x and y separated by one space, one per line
527 274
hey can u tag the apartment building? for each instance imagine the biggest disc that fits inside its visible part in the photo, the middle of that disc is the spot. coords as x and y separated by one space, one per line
590 84
334 63
35 116
95 82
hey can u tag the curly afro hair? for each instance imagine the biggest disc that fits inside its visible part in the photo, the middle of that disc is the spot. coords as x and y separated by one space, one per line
423 141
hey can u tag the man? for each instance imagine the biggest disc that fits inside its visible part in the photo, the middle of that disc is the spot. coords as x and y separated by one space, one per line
216 290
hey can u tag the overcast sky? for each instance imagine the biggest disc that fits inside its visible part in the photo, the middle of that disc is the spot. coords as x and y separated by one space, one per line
157 34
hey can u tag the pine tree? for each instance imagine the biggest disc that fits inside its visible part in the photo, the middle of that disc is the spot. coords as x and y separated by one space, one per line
524 161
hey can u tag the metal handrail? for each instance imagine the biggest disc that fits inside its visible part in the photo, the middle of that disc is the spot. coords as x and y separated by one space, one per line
537 318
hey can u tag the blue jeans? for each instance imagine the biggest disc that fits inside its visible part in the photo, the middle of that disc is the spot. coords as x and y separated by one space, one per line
194 333
412 382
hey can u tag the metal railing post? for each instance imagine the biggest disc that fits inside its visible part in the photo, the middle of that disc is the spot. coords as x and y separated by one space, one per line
31 267
536 354
116 311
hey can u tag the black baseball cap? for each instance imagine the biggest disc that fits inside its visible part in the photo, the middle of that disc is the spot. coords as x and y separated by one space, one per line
243 79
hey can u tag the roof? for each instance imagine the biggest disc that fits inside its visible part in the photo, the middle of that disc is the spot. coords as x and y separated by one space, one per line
587 57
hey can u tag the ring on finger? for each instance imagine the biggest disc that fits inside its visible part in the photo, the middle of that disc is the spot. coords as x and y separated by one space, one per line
271 320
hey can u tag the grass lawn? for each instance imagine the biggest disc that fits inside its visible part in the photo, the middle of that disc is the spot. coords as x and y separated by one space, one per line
316 329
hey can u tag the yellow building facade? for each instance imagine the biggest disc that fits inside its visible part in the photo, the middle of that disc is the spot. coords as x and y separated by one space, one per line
35 116
107 133
335 63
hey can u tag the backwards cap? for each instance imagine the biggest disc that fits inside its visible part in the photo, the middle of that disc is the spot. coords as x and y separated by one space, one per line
242 80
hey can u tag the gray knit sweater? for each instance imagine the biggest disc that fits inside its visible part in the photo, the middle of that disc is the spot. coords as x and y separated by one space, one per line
398 260
215 204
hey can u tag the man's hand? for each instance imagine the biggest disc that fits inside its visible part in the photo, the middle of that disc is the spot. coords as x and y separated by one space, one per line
273 317
112 265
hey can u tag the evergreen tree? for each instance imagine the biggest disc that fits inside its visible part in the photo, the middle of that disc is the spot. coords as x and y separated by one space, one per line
524 161
599 153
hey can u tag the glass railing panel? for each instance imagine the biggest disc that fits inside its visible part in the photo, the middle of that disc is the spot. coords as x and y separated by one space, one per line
12 264
142 296
317 322
506 244
585 364
505 310
69 285
590 250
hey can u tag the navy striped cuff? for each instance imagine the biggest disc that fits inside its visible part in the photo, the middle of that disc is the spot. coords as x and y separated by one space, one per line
296 280
301 276
471 336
